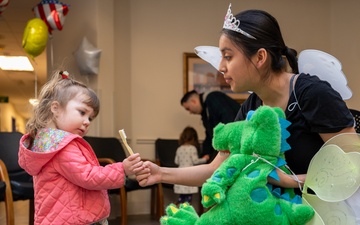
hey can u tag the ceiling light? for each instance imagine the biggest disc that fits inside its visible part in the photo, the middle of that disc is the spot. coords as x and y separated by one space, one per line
33 101
15 63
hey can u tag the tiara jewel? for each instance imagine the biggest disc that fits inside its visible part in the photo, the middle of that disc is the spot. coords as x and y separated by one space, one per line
231 23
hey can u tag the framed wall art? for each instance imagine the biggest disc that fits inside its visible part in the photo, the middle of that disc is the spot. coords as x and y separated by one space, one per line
201 76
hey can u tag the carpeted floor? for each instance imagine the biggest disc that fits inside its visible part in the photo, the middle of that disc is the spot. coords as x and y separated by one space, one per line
22 216
136 220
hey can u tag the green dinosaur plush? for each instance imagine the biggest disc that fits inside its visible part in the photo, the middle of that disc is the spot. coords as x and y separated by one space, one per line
238 191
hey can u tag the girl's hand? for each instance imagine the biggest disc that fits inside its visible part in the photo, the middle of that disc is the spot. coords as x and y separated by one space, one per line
133 164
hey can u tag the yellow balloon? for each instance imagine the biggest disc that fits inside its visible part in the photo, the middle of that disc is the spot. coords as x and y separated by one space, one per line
35 37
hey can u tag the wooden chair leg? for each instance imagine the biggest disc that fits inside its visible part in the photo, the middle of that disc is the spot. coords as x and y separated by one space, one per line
8 198
31 211
160 201
123 203
153 202
9 206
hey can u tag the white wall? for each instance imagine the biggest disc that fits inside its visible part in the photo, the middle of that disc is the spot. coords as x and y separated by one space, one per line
142 42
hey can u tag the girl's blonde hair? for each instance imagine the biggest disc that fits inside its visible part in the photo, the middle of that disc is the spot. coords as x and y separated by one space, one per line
61 90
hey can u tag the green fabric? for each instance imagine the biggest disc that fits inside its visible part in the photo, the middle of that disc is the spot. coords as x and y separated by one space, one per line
238 192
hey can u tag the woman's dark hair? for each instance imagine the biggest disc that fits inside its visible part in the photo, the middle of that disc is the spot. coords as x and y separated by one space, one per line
266 30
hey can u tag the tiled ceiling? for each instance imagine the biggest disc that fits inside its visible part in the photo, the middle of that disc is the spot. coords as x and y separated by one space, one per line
19 86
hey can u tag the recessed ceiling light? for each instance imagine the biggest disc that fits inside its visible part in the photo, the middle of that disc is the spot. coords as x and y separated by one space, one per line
15 63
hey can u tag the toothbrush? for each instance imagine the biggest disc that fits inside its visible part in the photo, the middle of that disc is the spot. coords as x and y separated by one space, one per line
123 138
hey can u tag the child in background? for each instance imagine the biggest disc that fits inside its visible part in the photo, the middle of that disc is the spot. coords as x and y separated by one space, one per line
187 155
69 184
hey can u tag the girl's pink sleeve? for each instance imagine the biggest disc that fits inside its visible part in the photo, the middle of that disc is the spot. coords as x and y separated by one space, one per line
71 163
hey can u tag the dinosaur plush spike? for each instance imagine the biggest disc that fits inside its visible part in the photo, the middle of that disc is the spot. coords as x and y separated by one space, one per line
281 162
284 124
297 199
273 174
249 115
284 147
238 191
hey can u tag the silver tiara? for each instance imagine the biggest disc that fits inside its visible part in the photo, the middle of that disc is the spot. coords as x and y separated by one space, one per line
231 23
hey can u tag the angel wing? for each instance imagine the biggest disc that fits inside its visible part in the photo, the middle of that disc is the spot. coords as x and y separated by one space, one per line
334 176
326 67
210 54
335 213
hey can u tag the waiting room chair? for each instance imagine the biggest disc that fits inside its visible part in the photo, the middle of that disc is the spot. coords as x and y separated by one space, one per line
165 151
356 115
6 194
110 150
21 182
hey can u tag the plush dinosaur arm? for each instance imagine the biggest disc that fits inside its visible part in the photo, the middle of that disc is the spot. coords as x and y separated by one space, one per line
214 190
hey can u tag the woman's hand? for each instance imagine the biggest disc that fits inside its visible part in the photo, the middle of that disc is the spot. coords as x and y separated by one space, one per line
150 175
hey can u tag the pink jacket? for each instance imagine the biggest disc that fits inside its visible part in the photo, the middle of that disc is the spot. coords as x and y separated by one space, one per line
69 184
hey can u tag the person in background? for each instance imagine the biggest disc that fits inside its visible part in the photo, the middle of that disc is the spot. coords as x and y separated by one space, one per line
187 155
255 58
69 184
214 107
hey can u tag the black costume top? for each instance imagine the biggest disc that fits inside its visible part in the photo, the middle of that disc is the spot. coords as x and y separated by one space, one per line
313 108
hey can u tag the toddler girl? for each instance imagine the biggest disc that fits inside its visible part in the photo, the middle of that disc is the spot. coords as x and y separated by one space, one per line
187 155
69 184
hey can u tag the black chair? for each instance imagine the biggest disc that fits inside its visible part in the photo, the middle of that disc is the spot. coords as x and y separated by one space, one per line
109 150
165 151
21 182
356 115
6 194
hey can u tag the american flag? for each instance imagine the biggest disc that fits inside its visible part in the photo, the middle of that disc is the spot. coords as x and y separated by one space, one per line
3 5
52 12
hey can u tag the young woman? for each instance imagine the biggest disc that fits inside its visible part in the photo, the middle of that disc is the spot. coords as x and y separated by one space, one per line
254 58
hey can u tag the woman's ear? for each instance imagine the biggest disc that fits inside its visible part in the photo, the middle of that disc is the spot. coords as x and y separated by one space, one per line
261 57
